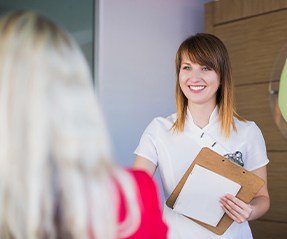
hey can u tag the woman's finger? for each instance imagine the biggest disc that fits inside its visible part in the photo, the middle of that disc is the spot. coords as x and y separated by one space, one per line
231 215
237 201
232 205
232 211
246 209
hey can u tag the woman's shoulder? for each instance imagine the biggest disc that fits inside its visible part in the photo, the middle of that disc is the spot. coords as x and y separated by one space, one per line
142 178
152 225
146 186
162 123
246 127
245 124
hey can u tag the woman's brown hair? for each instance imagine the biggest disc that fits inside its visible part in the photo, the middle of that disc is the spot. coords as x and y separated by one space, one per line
207 50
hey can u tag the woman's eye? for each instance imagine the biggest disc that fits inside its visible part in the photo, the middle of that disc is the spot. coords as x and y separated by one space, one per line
205 68
186 67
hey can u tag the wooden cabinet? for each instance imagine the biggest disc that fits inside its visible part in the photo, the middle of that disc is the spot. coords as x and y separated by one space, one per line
255 31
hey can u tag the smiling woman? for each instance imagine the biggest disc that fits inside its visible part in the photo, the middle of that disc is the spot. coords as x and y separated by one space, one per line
208 53
198 83
205 117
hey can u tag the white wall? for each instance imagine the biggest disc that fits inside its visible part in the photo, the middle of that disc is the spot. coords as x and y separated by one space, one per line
137 43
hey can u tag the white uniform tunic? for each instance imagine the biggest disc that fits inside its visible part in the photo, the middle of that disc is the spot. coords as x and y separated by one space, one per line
174 153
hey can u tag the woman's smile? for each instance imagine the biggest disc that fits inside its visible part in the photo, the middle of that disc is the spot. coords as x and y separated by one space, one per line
197 88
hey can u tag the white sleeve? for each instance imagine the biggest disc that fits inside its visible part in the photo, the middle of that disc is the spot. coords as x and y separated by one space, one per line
256 155
147 147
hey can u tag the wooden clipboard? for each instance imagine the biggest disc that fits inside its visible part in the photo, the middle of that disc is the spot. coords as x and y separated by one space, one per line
250 183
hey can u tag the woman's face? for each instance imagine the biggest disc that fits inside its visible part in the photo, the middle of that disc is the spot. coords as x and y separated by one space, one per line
198 83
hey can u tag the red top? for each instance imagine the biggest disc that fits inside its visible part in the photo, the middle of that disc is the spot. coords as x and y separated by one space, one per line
152 225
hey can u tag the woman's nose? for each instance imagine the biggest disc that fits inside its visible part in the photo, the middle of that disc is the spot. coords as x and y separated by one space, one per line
195 75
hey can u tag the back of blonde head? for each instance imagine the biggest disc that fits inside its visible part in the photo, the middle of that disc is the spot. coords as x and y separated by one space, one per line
55 172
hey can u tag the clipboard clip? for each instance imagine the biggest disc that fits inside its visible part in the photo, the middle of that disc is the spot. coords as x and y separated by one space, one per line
235 157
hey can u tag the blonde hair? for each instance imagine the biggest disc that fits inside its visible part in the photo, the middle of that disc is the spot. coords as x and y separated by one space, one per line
56 176
206 49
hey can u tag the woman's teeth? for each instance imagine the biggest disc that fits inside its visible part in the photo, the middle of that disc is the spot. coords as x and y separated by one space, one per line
197 87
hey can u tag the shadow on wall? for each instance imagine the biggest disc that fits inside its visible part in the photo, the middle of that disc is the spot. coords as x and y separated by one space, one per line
76 16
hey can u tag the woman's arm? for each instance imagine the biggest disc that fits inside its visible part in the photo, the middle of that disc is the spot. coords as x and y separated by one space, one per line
240 211
145 165
152 225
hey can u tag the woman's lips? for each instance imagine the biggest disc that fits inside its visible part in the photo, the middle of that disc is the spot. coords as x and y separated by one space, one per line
197 88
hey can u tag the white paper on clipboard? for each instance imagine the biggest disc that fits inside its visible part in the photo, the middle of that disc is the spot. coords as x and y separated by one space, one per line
200 195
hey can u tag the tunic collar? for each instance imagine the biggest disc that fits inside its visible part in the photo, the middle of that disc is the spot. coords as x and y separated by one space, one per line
212 130
194 128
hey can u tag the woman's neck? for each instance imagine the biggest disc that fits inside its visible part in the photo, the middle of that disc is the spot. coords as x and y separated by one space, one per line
201 113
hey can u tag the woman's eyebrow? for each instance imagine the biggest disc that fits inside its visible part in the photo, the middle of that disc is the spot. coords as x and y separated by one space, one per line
185 63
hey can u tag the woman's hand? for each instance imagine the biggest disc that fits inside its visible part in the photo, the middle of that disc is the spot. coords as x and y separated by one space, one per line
239 211
235 208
